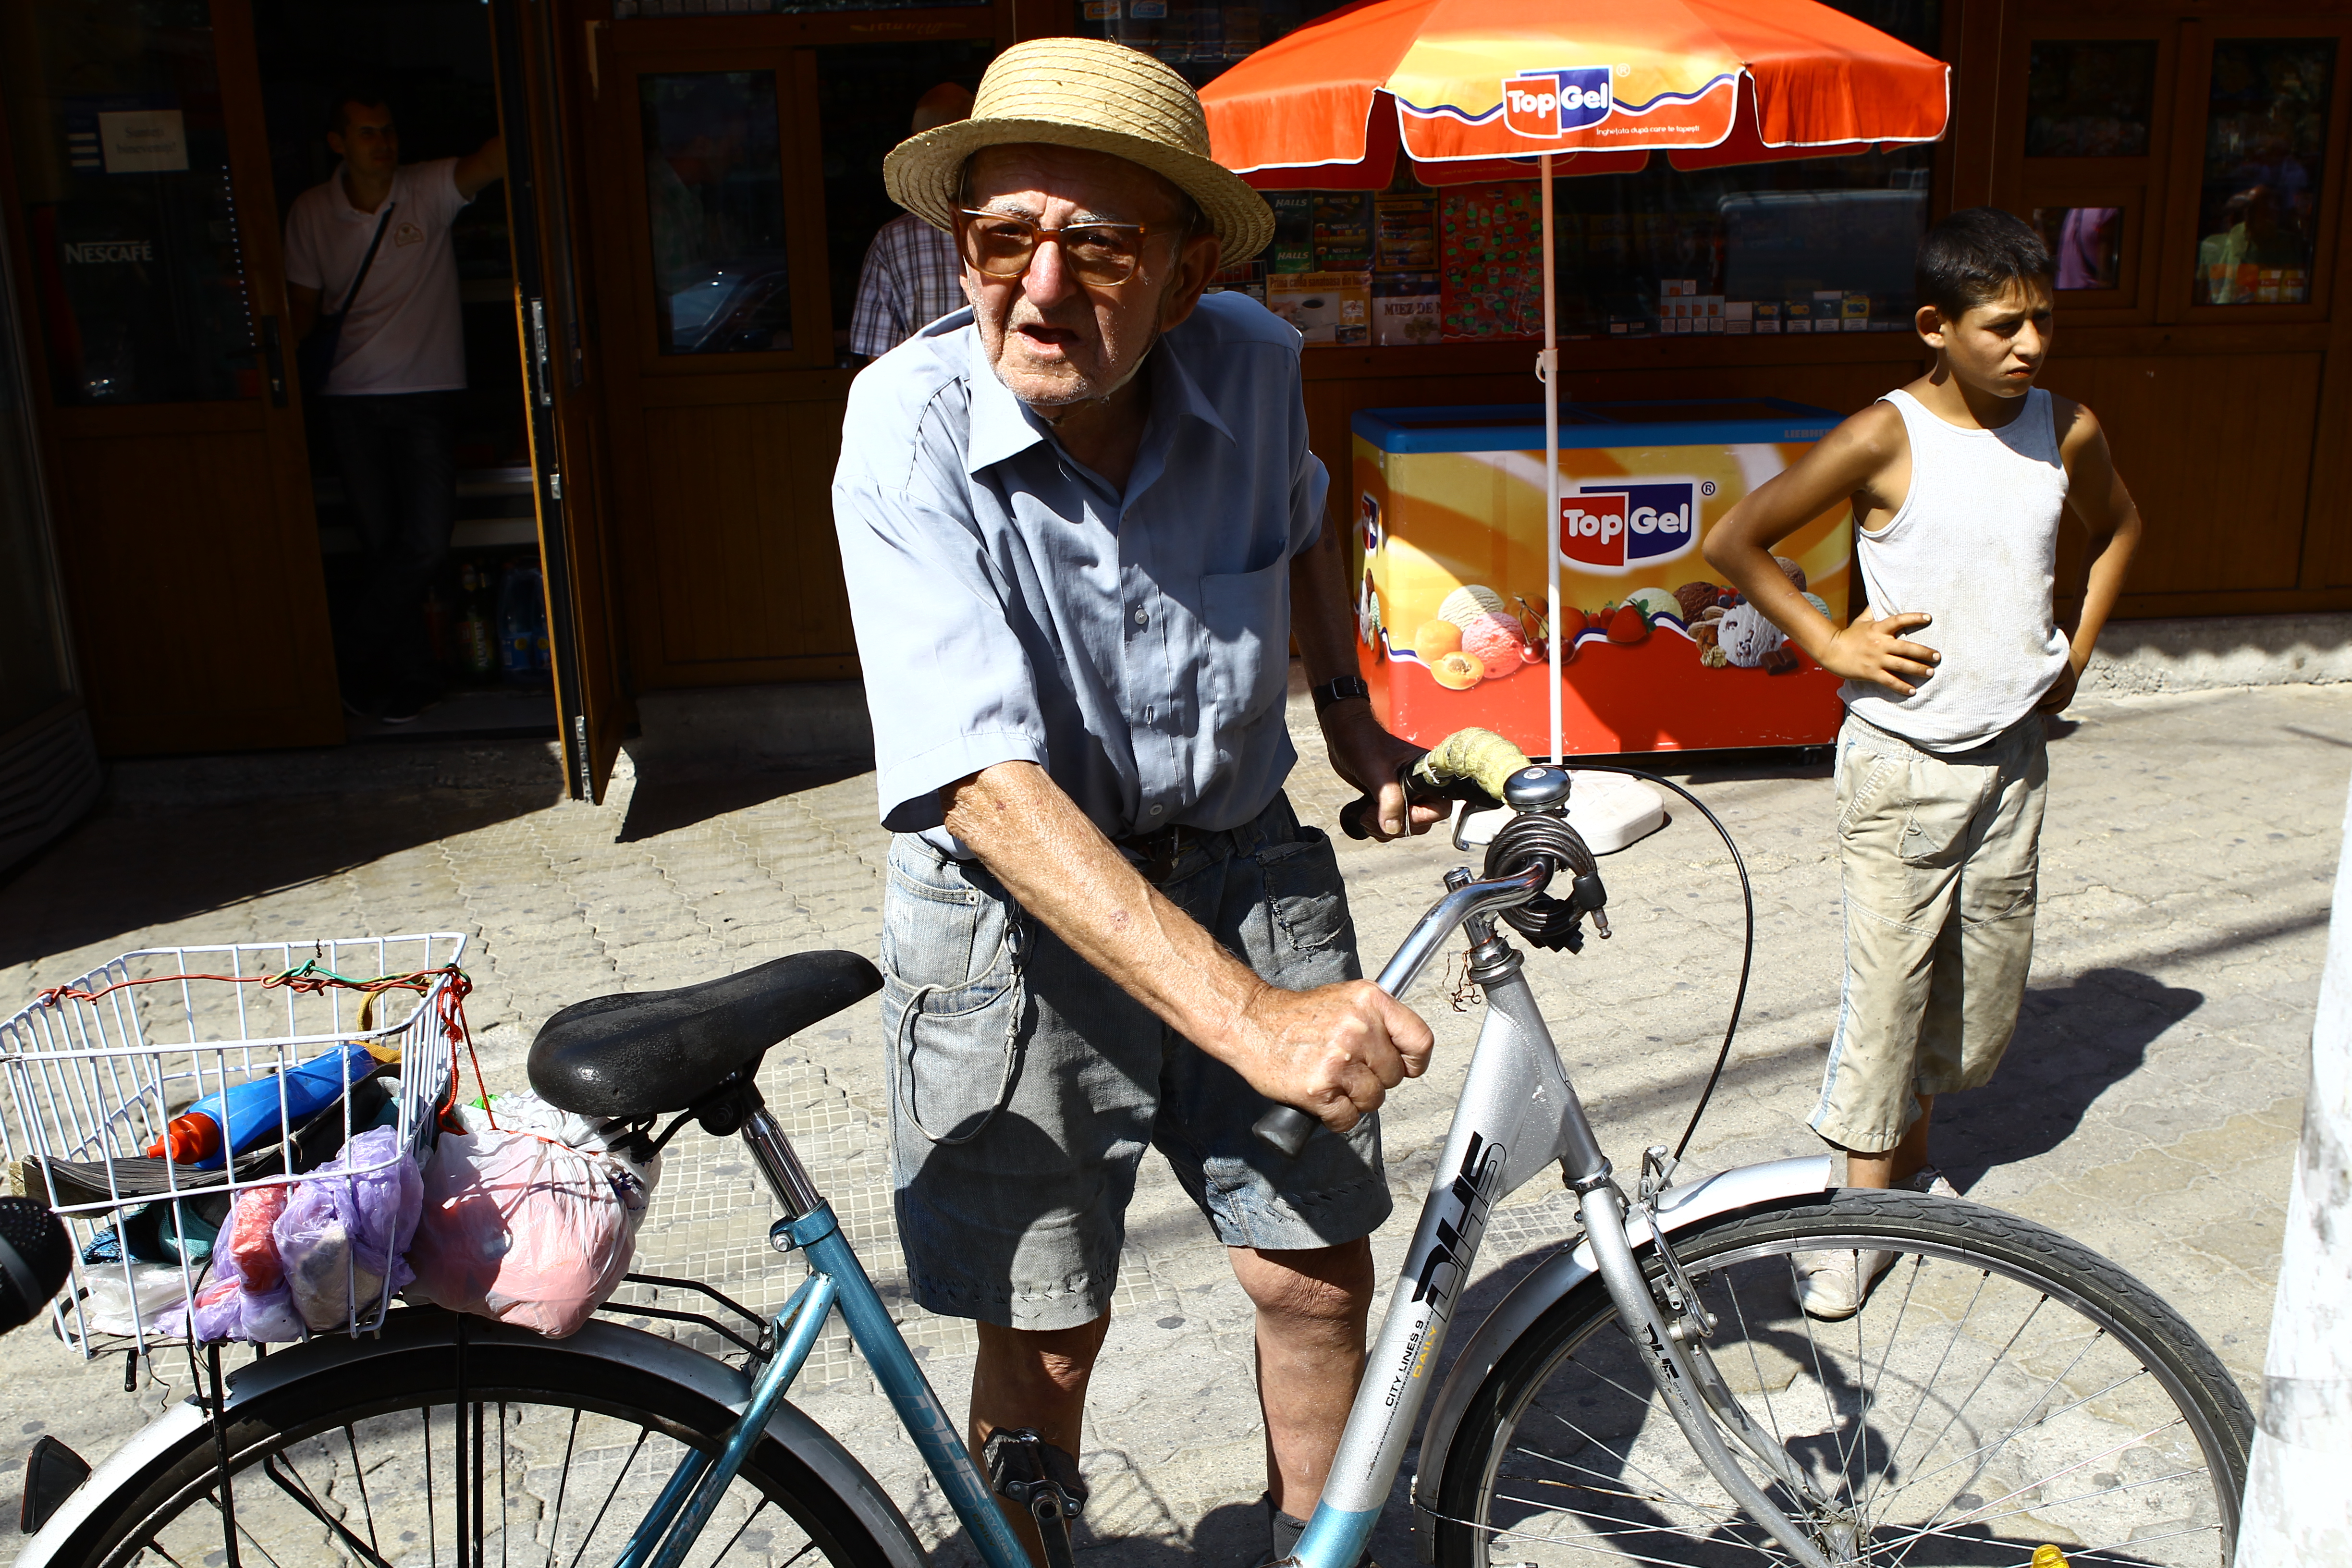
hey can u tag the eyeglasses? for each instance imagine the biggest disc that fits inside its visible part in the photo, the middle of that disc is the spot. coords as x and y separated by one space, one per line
1102 254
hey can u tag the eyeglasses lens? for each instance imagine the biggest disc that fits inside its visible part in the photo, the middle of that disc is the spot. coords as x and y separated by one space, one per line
1003 247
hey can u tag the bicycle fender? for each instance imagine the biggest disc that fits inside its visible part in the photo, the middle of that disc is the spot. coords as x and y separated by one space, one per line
1702 1202
600 1341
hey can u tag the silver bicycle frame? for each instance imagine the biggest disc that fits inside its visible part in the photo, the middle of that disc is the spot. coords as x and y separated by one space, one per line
1518 1116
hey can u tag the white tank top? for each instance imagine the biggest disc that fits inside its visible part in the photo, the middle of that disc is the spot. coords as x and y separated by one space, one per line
1974 544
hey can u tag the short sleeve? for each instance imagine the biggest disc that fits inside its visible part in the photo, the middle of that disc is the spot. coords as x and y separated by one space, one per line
302 260
873 320
1310 482
948 684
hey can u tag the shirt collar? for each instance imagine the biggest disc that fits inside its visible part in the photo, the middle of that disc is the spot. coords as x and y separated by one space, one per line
1002 427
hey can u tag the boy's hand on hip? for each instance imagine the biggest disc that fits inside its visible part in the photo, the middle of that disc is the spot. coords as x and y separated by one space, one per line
1334 1052
1874 649
2062 690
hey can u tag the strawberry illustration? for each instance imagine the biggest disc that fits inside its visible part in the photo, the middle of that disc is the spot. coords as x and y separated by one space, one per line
1627 626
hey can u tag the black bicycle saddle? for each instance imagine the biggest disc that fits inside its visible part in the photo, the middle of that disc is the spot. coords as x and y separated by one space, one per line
645 1052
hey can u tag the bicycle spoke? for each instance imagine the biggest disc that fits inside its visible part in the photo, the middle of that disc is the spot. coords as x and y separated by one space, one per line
1983 1281
358 1475
562 1484
619 1477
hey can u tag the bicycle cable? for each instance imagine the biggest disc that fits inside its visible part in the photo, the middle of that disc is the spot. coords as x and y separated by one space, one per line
1747 942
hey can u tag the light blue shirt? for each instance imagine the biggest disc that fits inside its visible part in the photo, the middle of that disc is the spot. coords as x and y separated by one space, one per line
1011 606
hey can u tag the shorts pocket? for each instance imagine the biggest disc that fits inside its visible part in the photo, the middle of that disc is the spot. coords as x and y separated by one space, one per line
952 1001
1304 893
1942 803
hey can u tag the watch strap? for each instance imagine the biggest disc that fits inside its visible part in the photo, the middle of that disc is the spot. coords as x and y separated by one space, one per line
1340 691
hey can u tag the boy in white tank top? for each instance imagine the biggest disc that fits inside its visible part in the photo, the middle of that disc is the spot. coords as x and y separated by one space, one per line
1958 483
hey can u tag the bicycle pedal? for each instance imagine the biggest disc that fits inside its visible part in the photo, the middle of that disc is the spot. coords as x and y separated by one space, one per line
1024 1467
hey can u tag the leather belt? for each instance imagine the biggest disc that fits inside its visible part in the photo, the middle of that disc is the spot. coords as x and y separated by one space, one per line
1156 853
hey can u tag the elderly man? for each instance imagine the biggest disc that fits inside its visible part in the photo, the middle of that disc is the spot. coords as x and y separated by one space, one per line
1080 524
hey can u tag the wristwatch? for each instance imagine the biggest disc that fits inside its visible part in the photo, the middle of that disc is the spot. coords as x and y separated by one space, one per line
1340 691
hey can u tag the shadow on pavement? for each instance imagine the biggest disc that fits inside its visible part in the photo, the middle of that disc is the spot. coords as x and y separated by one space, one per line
659 805
125 870
2073 1044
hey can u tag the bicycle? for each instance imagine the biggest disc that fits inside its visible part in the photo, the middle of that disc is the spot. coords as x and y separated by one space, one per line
2002 1393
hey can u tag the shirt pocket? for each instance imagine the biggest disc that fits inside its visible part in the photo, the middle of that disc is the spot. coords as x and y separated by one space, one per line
1246 616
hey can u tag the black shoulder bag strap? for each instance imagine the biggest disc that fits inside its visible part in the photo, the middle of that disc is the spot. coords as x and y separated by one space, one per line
316 357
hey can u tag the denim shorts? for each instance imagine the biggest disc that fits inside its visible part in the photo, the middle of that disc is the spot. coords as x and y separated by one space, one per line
1937 854
1025 1085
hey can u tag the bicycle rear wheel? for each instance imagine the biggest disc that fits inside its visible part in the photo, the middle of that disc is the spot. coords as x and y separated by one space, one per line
553 1458
2002 1389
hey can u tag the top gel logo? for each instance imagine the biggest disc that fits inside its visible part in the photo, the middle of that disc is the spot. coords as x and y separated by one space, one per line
1618 527
1548 105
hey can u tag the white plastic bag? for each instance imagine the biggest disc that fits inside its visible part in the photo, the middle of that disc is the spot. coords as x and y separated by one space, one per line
521 1225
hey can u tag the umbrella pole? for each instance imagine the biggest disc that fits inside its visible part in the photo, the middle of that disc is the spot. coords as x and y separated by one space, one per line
1547 369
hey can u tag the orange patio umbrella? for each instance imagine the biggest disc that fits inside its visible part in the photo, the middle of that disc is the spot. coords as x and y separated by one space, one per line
1498 89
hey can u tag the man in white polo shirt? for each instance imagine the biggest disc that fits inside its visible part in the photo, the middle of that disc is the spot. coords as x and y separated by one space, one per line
389 401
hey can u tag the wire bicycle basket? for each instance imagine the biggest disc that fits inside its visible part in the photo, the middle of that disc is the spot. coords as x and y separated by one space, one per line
95 1074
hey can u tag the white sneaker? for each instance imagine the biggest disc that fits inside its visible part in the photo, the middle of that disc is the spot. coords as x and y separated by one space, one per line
1931 1182
1832 1285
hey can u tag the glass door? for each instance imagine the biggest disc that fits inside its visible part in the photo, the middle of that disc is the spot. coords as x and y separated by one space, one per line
137 189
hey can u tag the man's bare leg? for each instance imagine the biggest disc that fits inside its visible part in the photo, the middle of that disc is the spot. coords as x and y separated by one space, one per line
1312 1305
1034 1378
1899 1165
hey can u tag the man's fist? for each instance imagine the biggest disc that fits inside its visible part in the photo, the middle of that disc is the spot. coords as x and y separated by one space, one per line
1334 1052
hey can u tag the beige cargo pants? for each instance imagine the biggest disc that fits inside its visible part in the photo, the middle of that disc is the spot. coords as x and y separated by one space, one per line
1937 854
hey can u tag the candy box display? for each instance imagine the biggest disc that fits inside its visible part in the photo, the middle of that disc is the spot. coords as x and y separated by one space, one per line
1452 608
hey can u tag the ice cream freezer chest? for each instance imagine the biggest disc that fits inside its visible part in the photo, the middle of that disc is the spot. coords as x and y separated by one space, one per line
1451 592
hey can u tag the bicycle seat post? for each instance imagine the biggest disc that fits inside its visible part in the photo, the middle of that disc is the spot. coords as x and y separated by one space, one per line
779 1161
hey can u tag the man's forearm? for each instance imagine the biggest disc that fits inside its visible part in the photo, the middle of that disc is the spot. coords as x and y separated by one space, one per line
2102 584
1058 866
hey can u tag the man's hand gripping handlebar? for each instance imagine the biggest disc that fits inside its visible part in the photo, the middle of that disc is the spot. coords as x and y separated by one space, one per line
1485 770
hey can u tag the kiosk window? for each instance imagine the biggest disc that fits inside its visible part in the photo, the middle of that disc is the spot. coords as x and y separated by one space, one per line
2266 134
715 208
2090 99
123 164
2086 243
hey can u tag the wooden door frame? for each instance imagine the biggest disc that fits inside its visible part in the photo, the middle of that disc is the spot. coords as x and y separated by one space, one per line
276 416
2140 185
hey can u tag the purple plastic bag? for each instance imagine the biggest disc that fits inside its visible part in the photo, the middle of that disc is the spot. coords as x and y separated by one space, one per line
341 1237
228 1305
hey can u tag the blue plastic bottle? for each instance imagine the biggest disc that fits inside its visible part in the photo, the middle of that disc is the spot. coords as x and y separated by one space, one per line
250 1110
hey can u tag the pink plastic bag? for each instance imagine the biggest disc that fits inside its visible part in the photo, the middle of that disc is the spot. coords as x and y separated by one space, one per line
523 1229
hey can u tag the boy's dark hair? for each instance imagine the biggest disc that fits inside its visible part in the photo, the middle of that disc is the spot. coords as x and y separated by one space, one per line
1975 255
366 94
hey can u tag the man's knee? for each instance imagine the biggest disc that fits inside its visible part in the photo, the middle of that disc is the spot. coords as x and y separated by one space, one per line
1319 1284
1061 1357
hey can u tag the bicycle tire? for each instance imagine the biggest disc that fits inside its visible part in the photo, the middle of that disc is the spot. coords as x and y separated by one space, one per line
307 1427
1565 1454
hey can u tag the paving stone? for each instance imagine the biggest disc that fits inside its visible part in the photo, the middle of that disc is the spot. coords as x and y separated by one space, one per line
2149 1106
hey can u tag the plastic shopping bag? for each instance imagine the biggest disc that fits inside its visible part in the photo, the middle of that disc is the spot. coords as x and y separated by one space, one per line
523 1228
245 1297
341 1237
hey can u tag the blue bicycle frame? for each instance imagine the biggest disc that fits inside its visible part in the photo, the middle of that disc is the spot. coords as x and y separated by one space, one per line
1517 1117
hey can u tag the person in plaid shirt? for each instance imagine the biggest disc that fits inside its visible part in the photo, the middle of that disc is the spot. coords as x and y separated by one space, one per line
912 274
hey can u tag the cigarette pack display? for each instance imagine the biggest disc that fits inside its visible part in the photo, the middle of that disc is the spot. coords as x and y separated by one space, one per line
1490 246
1454 622
1343 231
1407 233
1332 308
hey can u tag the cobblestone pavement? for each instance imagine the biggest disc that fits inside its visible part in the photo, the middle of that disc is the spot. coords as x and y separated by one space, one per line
2149 1106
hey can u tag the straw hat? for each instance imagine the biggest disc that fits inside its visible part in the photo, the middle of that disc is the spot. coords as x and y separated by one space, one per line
1089 93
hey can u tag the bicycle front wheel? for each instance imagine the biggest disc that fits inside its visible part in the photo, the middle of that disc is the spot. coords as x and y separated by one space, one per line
2002 1389
553 1456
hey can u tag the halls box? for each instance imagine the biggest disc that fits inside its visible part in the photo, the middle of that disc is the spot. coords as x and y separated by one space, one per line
1451 609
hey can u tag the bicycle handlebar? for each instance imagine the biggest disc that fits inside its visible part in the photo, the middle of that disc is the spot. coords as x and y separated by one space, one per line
1287 1128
